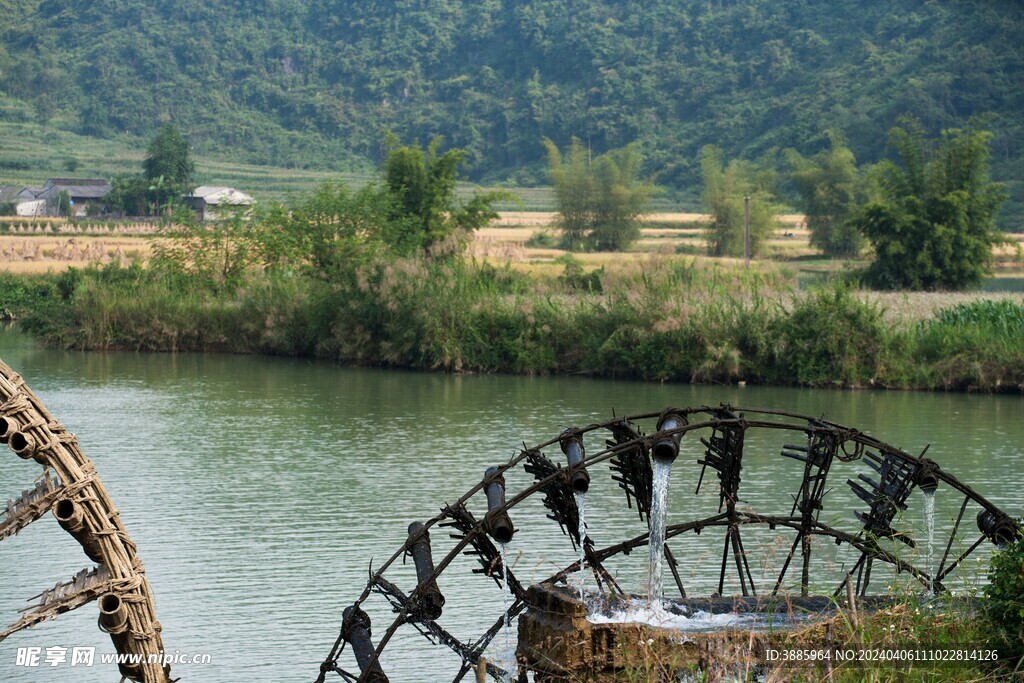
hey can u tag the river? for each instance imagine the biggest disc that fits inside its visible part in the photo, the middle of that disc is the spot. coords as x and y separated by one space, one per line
259 490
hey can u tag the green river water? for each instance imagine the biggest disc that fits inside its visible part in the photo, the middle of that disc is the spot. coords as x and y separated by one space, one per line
259 490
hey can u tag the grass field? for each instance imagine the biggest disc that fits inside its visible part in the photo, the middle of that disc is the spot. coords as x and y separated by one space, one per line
30 153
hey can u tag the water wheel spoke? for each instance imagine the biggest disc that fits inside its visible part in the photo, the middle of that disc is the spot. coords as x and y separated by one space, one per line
849 575
480 645
785 565
673 567
737 555
963 556
746 563
463 670
599 570
952 538
866 571
725 559
805 564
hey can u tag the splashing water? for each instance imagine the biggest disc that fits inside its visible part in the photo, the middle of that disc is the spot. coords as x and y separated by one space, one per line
656 544
581 506
505 654
640 611
506 590
929 516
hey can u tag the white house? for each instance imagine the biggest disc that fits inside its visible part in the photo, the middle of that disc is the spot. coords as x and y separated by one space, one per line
24 200
205 199
30 208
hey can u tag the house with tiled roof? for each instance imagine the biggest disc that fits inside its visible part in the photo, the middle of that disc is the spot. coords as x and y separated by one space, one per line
81 192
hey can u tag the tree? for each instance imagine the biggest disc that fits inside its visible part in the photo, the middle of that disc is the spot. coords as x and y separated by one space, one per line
724 190
422 184
574 188
129 195
934 227
335 228
64 204
168 166
831 190
619 199
600 203
212 254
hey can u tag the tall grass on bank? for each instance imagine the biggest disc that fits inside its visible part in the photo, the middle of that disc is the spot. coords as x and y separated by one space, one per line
977 344
143 310
19 293
663 319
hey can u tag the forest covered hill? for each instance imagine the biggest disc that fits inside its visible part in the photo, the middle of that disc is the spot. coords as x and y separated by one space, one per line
315 83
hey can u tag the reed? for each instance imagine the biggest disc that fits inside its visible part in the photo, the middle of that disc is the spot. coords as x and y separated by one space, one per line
662 318
980 344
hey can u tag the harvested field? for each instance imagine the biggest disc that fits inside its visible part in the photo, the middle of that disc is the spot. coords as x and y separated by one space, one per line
666 233
914 306
528 219
53 244
40 254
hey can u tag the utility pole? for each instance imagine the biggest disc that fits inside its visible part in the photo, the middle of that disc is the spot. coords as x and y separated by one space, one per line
746 231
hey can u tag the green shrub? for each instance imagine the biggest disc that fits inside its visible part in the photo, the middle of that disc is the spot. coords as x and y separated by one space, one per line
542 239
575 278
829 338
1004 606
26 295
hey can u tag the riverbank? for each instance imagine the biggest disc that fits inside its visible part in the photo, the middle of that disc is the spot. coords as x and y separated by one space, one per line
661 318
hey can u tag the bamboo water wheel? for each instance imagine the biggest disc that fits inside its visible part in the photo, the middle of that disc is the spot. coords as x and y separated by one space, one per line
878 481
70 488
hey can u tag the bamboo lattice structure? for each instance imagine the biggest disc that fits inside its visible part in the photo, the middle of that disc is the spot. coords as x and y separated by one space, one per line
79 501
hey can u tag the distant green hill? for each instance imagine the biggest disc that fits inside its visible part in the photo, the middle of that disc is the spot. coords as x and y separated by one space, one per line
314 83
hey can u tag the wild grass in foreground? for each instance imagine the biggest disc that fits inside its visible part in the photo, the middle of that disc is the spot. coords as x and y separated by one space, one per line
977 636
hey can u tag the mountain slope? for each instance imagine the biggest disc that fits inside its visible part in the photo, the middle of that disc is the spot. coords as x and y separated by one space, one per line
316 82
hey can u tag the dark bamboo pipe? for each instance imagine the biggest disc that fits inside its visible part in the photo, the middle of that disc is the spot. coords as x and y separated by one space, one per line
114 621
431 601
926 477
24 444
666 448
355 628
998 527
71 518
497 521
572 446
8 427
